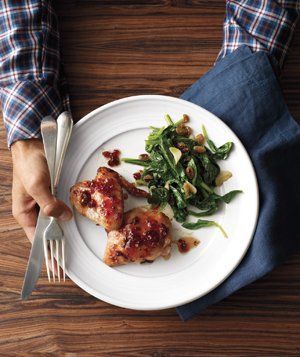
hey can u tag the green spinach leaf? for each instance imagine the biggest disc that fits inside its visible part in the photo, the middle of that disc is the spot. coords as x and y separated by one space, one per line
201 223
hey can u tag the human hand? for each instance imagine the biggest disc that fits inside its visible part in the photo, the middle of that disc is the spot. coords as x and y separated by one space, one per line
31 186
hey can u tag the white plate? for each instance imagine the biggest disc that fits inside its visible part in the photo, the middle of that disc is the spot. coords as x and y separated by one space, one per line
123 124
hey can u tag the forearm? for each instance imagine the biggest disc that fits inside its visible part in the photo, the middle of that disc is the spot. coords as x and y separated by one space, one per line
263 25
29 67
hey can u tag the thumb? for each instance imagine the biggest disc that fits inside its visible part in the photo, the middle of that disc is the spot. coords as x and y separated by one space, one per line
50 206
56 208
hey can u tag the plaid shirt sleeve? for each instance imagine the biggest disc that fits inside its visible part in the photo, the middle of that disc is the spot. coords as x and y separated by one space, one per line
31 84
30 74
263 25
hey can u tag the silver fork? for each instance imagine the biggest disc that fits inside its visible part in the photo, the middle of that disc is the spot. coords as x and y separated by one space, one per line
56 136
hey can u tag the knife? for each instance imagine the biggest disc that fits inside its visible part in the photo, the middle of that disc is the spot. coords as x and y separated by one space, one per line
36 258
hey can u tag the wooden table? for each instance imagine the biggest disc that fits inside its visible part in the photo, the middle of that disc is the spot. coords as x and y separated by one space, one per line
114 49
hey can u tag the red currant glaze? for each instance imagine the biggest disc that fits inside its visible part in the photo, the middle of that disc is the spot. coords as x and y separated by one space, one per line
137 175
86 200
108 207
151 235
186 244
113 157
92 204
106 154
105 186
116 153
113 162
182 246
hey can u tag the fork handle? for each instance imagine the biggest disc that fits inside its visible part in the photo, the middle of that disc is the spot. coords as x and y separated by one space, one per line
64 129
49 135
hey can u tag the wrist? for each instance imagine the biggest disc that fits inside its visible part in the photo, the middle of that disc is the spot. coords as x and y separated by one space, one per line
22 148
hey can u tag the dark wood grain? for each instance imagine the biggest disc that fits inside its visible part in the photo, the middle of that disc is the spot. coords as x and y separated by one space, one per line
114 49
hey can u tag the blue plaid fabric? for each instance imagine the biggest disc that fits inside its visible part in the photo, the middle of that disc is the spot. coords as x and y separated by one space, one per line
31 81
262 25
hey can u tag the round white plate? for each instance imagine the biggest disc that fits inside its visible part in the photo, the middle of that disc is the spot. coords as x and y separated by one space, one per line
123 124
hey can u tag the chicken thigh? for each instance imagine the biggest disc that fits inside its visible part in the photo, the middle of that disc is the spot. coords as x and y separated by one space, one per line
101 199
144 236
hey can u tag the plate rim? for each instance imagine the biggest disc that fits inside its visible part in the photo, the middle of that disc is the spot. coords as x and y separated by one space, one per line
118 302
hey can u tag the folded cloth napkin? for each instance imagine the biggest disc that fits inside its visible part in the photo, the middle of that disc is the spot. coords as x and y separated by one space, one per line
243 91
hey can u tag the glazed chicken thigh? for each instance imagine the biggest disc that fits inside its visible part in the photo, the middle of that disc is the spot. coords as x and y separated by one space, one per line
140 235
144 236
101 199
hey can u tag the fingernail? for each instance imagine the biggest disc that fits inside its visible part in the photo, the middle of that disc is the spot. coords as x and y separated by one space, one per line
65 216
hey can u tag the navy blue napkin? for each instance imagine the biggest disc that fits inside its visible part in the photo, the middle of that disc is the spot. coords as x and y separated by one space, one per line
243 91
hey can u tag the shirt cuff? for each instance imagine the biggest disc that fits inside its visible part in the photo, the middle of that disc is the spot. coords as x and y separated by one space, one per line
24 104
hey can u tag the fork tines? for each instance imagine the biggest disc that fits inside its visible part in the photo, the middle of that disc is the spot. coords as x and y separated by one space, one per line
56 261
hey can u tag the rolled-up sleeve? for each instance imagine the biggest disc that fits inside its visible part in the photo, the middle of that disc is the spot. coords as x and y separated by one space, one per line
263 25
31 82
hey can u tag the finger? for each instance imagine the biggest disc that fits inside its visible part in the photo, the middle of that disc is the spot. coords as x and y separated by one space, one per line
38 188
23 208
58 209
31 168
29 231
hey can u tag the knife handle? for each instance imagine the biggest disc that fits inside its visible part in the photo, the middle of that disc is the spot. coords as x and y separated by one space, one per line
49 135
